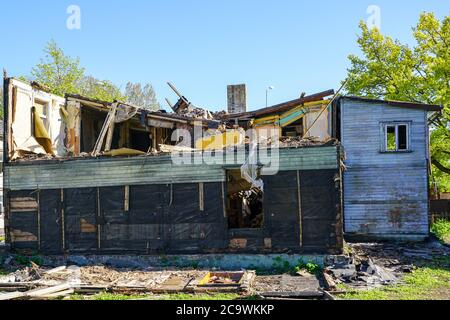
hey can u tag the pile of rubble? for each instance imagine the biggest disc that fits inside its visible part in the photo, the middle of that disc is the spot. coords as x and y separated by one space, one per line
299 142
371 265
196 113
357 273
35 282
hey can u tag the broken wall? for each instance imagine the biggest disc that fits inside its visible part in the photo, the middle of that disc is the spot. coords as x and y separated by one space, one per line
321 128
22 99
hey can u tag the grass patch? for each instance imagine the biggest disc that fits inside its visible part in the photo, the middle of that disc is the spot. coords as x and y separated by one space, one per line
26 260
106 296
186 296
312 268
280 266
2 239
431 281
441 230
178 296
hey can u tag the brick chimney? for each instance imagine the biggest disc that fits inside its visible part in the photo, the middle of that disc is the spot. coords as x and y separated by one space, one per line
237 98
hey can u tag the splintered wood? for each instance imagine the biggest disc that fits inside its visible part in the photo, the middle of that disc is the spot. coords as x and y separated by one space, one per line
62 281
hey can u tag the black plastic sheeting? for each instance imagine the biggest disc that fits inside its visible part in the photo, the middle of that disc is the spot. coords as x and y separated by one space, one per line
281 209
139 228
320 194
162 218
51 221
169 219
80 208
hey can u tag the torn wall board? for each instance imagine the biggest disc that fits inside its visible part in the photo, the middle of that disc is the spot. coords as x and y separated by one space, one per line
320 128
40 133
73 127
47 106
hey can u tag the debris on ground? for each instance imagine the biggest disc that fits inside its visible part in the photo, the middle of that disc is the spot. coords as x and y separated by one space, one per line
35 282
288 287
372 265
364 266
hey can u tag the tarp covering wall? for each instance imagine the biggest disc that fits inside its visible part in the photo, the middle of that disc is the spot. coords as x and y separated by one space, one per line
281 209
80 219
179 218
148 205
50 221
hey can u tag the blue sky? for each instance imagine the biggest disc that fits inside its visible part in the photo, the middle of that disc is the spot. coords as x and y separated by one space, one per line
201 46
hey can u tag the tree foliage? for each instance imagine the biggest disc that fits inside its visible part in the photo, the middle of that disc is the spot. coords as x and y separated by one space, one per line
143 97
389 69
57 71
63 74
100 89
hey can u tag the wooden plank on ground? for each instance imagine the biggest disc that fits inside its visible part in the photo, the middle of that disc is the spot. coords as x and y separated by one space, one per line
294 294
56 270
11 296
172 285
58 294
46 291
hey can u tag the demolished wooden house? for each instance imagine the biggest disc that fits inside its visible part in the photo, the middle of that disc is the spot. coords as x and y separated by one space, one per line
79 180
87 176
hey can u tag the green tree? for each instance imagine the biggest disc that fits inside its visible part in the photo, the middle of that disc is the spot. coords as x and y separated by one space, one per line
143 97
63 74
389 69
100 89
57 71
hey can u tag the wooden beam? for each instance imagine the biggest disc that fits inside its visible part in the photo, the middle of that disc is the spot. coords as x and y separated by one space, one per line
127 199
224 206
99 227
109 136
63 235
300 215
201 196
38 221
46 291
106 125
11 296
